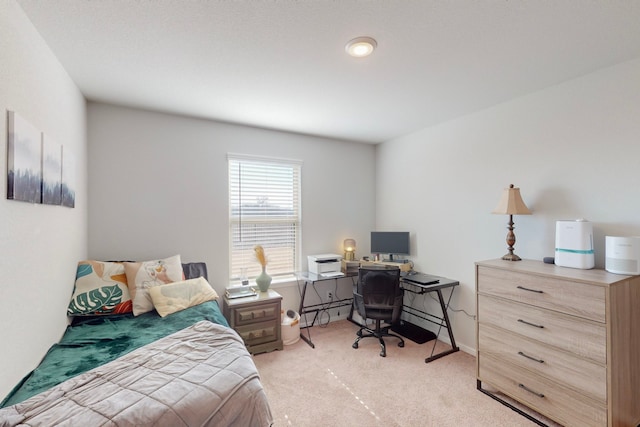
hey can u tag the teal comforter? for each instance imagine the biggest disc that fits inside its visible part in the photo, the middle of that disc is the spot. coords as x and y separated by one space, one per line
97 341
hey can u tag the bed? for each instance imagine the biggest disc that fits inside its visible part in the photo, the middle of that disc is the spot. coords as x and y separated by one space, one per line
184 367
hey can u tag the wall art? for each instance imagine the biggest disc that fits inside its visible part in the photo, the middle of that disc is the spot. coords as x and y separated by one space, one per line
24 160
51 171
68 178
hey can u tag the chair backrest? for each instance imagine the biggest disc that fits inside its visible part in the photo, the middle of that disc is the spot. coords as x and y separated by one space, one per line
379 286
378 289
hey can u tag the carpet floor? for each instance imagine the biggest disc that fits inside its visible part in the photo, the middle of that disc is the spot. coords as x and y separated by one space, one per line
336 385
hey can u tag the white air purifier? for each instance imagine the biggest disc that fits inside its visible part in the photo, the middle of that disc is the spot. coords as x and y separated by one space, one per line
574 244
622 255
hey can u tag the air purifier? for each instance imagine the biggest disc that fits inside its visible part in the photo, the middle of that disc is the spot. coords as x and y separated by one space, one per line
622 255
574 244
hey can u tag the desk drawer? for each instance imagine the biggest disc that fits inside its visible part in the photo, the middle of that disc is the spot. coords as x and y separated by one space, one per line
579 374
554 293
253 314
547 397
583 337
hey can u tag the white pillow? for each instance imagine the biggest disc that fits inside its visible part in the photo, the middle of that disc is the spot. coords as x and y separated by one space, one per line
177 296
141 276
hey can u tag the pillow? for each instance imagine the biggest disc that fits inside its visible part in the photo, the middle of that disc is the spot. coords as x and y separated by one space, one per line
141 276
100 288
177 296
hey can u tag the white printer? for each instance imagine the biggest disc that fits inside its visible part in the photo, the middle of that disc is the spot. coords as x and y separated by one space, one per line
574 244
325 263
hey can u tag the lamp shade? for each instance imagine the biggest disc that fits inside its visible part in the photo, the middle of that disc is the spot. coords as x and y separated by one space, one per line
511 203
349 245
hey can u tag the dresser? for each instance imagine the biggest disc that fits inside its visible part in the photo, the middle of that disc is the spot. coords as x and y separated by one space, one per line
564 342
257 320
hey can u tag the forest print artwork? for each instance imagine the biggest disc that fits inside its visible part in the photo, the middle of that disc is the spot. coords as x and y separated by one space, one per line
24 167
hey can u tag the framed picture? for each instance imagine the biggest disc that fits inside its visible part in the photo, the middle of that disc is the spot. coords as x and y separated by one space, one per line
51 171
24 160
68 178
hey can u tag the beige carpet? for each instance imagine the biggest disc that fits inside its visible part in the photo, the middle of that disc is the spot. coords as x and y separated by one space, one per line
336 385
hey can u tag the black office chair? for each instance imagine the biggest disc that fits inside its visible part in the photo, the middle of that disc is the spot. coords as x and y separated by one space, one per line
378 296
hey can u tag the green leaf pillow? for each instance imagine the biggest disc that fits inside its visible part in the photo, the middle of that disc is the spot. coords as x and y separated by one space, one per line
100 289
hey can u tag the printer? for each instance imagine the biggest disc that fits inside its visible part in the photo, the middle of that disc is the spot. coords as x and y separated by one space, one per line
325 263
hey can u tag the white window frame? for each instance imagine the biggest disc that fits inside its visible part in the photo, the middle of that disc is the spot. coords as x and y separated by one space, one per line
248 226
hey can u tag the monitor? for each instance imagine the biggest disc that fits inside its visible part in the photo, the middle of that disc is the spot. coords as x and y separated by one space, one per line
390 242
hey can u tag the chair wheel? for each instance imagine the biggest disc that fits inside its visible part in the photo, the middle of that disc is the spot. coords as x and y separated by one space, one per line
359 333
400 344
355 345
383 353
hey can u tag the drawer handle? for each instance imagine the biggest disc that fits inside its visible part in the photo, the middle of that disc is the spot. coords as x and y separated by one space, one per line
530 324
530 290
530 357
524 387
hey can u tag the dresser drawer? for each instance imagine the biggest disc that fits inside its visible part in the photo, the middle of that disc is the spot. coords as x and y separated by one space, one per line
578 374
257 313
582 337
258 333
547 397
579 299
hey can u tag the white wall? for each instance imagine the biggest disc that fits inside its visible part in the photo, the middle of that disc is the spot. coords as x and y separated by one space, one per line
573 149
40 245
159 187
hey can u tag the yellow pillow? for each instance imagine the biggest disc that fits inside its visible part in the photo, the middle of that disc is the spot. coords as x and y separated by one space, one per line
177 296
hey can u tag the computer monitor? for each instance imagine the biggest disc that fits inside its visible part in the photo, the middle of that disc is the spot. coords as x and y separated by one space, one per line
390 242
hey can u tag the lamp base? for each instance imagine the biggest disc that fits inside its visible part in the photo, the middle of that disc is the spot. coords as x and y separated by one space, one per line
511 257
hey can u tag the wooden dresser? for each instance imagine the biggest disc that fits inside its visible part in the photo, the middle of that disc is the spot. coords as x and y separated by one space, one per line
257 320
564 342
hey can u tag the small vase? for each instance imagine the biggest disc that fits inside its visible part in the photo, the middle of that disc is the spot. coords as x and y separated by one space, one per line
263 281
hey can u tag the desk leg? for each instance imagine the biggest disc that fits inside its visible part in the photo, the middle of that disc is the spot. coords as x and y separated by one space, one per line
445 316
306 339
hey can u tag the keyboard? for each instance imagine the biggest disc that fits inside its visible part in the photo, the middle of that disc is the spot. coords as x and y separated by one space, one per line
421 279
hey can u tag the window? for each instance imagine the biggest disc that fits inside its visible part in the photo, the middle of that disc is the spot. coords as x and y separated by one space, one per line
264 209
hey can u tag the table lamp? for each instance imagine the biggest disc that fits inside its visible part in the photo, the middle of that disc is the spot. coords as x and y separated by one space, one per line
511 204
349 246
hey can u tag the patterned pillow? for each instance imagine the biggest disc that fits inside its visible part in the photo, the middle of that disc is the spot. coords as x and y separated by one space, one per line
144 275
177 296
100 288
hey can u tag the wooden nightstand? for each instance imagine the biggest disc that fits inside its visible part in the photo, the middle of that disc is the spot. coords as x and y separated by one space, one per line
257 320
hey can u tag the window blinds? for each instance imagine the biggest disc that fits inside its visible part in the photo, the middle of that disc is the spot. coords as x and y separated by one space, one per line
264 209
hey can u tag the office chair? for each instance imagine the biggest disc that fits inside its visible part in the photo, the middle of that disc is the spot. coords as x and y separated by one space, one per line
378 296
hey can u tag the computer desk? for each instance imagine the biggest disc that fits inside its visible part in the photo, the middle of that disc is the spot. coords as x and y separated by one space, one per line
442 320
305 279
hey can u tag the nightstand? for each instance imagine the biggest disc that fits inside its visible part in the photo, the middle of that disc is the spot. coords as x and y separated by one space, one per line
257 320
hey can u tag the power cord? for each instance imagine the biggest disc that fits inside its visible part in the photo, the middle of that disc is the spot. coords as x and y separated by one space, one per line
324 311
473 316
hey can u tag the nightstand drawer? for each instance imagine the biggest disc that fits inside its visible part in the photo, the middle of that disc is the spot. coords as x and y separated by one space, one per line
578 299
579 374
252 314
258 333
582 337
556 401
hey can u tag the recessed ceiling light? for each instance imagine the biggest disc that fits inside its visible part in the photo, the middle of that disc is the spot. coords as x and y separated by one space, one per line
361 46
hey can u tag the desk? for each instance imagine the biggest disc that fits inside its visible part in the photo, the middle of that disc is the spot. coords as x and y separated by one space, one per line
305 279
441 321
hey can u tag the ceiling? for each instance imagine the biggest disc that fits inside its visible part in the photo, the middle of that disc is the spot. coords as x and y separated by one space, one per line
281 64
